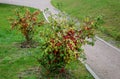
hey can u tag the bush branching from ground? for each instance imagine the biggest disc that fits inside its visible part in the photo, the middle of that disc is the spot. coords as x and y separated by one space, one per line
27 22
64 38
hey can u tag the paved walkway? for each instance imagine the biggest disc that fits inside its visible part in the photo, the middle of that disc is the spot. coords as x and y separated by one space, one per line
102 58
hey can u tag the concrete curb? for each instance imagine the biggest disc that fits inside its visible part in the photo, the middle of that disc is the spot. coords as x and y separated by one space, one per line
45 17
107 43
91 71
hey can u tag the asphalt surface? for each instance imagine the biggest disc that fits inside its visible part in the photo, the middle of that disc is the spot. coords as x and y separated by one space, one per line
104 59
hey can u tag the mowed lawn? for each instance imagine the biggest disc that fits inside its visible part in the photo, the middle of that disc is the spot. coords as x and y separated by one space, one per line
108 9
16 61
13 59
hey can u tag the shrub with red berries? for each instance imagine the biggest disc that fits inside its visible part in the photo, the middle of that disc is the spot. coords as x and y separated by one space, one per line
64 40
27 22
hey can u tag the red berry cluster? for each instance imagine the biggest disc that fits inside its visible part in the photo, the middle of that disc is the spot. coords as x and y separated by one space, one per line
70 37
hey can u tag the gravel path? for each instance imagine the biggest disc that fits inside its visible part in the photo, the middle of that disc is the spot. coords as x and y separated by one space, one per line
102 58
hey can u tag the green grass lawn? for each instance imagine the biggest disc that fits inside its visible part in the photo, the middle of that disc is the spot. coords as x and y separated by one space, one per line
15 60
108 9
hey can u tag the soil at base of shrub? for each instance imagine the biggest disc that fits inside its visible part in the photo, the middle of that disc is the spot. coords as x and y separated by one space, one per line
38 74
26 44
31 44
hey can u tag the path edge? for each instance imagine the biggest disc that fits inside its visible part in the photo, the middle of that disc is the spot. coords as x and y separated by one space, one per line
91 71
108 44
